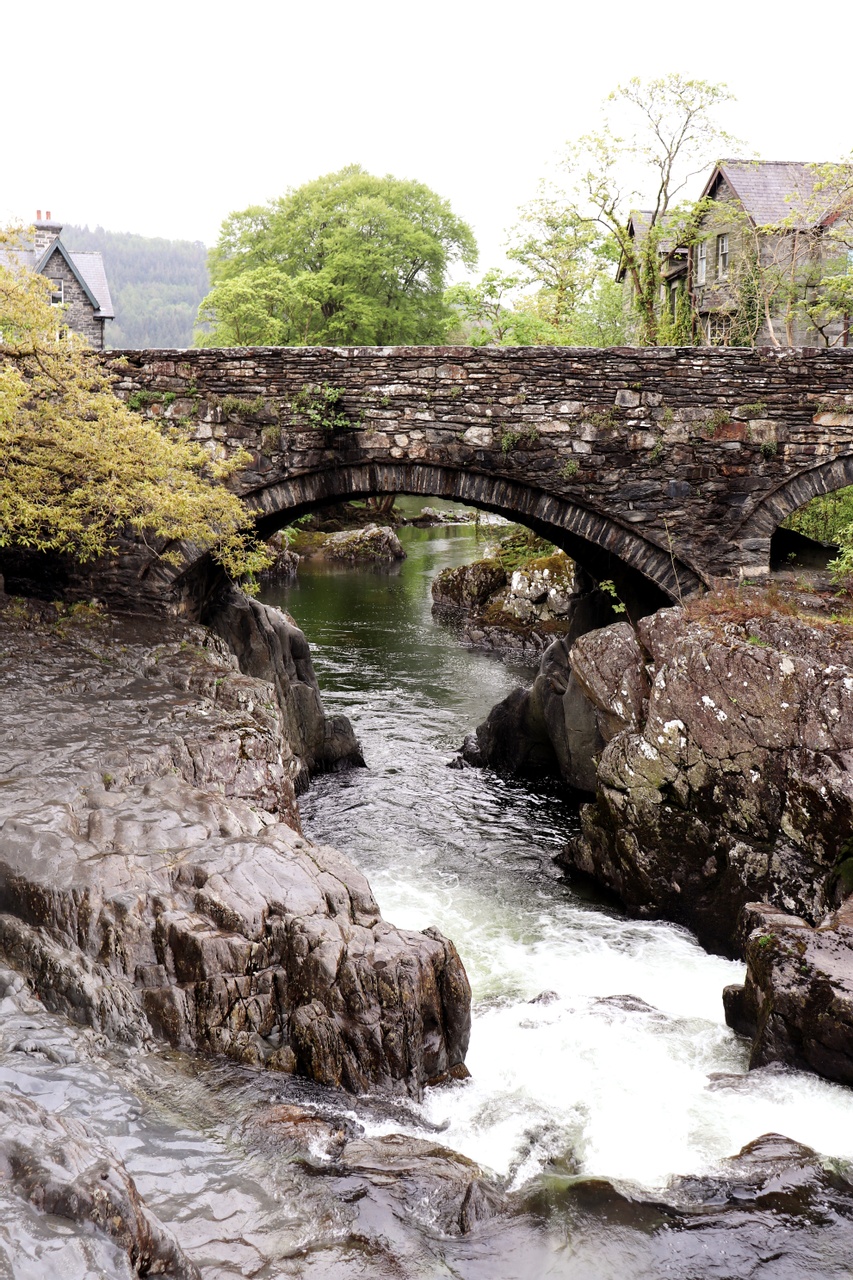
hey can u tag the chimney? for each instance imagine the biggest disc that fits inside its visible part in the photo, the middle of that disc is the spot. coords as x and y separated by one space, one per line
46 231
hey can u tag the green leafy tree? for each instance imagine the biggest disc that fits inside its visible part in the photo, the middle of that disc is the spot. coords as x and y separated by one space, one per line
348 259
563 255
491 313
655 137
77 466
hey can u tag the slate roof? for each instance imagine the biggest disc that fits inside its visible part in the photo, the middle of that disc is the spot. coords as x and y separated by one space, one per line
88 267
771 191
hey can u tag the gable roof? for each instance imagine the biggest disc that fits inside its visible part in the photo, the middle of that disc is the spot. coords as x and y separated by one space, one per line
87 269
774 191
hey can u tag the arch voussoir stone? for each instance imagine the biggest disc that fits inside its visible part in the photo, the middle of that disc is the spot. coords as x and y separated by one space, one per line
795 493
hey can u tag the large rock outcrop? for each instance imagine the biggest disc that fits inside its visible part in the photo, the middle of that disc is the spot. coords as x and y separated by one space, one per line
728 771
775 1211
153 878
521 611
269 646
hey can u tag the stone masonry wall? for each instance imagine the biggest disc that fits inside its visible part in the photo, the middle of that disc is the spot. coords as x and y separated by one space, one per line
672 461
78 314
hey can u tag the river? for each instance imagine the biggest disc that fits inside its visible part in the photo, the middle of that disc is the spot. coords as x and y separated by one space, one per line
598 1045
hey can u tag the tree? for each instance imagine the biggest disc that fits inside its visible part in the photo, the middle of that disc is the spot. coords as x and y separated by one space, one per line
492 315
77 466
348 259
563 255
564 293
670 136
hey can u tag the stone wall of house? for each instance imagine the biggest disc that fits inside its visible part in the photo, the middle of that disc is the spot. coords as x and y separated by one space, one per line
715 299
78 314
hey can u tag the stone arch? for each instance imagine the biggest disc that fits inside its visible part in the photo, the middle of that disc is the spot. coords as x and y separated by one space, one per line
606 548
792 494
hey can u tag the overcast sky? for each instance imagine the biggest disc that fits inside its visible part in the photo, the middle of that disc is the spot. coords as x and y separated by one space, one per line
163 117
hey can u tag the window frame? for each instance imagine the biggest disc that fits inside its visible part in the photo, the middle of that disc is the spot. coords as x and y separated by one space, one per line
723 255
57 293
701 262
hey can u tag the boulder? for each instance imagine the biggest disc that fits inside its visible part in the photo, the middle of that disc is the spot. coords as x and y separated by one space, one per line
357 546
797 1002
727 775
469 586
774 1210
552 727
438 1187
269 646
286 562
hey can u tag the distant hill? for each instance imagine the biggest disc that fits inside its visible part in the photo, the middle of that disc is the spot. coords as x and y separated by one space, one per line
156 285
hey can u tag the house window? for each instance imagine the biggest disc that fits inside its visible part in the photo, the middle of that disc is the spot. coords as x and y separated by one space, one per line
718 329
57 293
701 262
722 257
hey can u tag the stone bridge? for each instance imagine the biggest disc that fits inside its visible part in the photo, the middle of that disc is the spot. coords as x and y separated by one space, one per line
663 469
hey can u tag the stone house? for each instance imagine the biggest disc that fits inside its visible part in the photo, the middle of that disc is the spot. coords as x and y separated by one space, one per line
763 263
79 280
770 244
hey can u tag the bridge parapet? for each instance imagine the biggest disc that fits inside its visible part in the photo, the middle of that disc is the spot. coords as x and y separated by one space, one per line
677 462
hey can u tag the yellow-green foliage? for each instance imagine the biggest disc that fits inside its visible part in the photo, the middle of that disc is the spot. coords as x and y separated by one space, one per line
77 465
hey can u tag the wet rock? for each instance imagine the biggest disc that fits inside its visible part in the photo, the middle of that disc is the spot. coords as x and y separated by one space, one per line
286 564
430 516
731 779
775 1210
797 1002
520 613
359 546
292 1130
437 1186
470 586
552 727
541 590
62 1169
148 885
269 646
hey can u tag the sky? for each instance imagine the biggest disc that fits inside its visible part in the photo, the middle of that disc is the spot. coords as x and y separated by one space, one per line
163 118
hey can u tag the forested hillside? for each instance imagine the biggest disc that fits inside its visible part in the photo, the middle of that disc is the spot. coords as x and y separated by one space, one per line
156 285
